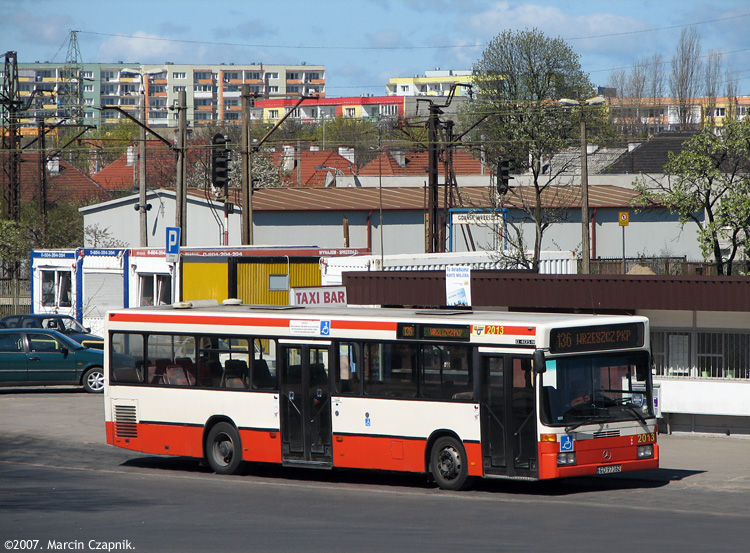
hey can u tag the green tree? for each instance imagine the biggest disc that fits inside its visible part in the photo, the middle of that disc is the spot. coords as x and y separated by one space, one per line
520 78
708 183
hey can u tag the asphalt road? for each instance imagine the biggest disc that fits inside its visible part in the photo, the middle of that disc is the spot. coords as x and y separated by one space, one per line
62 486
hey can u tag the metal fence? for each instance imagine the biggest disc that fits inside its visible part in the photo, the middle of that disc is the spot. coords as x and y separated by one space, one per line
657 266
15 296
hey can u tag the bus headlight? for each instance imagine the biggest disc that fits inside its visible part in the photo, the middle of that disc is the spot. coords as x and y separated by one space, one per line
566 459
646 451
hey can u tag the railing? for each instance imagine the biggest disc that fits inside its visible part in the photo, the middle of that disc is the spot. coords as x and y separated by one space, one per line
656 266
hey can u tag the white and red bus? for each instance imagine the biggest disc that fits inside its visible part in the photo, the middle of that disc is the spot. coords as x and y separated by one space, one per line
458 394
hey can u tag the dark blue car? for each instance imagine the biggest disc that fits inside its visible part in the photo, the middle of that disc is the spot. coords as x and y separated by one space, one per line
62 323
38 357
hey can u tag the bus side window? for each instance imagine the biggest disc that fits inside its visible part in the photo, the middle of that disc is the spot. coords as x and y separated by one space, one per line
263 370
348 371
392 370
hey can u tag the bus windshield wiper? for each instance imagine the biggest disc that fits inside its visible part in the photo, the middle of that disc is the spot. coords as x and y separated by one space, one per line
580 422
630 407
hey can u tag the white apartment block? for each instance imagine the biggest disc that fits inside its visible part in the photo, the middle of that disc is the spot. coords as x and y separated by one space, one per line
433 83
212 91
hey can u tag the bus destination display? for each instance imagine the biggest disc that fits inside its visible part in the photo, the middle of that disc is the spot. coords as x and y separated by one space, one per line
596 338
434 332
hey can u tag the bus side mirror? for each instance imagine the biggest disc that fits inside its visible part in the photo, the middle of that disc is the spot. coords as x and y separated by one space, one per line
540 366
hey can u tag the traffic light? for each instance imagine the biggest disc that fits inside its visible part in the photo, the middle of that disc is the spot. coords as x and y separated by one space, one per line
219 161
503 176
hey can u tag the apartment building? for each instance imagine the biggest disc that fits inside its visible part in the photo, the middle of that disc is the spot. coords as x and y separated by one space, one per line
654 115
433 83
319 109
213 91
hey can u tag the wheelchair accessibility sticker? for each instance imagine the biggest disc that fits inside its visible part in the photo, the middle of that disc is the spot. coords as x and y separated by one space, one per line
566 443
325 328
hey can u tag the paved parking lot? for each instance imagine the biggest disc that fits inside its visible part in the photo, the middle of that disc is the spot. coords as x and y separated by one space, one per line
69 414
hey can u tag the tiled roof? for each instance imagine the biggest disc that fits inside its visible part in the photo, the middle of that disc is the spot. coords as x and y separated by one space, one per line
68 183
160 165
651 156
302 167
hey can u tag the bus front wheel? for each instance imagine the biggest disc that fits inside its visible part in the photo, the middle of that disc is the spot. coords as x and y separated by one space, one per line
223 449
448 464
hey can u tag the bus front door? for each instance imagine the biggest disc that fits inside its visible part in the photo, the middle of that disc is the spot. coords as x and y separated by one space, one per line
508 416
305 405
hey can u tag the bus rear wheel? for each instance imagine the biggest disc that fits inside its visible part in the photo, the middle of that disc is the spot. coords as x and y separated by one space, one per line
223 449
448 464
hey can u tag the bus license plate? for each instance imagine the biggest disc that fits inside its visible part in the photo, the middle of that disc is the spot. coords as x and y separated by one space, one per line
609 469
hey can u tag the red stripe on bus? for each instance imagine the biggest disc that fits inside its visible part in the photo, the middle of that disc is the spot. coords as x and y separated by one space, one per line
391 453
171 318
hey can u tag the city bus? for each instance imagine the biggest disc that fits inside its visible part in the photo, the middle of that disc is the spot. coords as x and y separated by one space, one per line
454 394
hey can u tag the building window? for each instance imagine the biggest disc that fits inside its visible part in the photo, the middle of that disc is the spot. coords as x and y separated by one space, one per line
56 289
292 89
292 76
273 114
273 89
155 289
349 112
389 110
720 112
252 75
716 354
270 76
179 89
179 75
278 283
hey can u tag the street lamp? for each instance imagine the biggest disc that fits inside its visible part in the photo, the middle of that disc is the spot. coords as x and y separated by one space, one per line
585 242
142 206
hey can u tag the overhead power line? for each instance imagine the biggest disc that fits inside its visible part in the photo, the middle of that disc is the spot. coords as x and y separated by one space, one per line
402 47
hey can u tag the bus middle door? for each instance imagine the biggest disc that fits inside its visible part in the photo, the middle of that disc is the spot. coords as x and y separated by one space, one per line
507 411
305 405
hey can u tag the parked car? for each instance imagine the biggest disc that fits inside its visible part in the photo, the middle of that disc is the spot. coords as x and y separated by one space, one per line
39 357
62 323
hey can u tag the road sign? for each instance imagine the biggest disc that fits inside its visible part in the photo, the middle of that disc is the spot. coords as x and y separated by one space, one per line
624 218
173 244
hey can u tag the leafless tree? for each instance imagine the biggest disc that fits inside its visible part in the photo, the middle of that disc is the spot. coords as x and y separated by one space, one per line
656 71
712 82
684 81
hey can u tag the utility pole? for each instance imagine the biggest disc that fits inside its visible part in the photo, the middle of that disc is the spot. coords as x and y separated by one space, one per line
247 170
434 242
585 245
180 191
43 181
247 162
142 209
11 141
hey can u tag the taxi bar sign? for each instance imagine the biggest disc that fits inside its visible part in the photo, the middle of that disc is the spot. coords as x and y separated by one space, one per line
324 296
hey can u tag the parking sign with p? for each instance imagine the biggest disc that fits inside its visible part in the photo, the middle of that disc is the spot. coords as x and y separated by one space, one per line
173 244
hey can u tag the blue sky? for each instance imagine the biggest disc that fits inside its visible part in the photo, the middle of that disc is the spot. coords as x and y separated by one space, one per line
363 43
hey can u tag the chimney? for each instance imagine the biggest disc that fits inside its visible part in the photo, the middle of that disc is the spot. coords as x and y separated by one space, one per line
400 157
287 163
347 152
131 157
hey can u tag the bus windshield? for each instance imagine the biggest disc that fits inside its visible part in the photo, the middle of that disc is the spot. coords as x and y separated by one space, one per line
596 389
